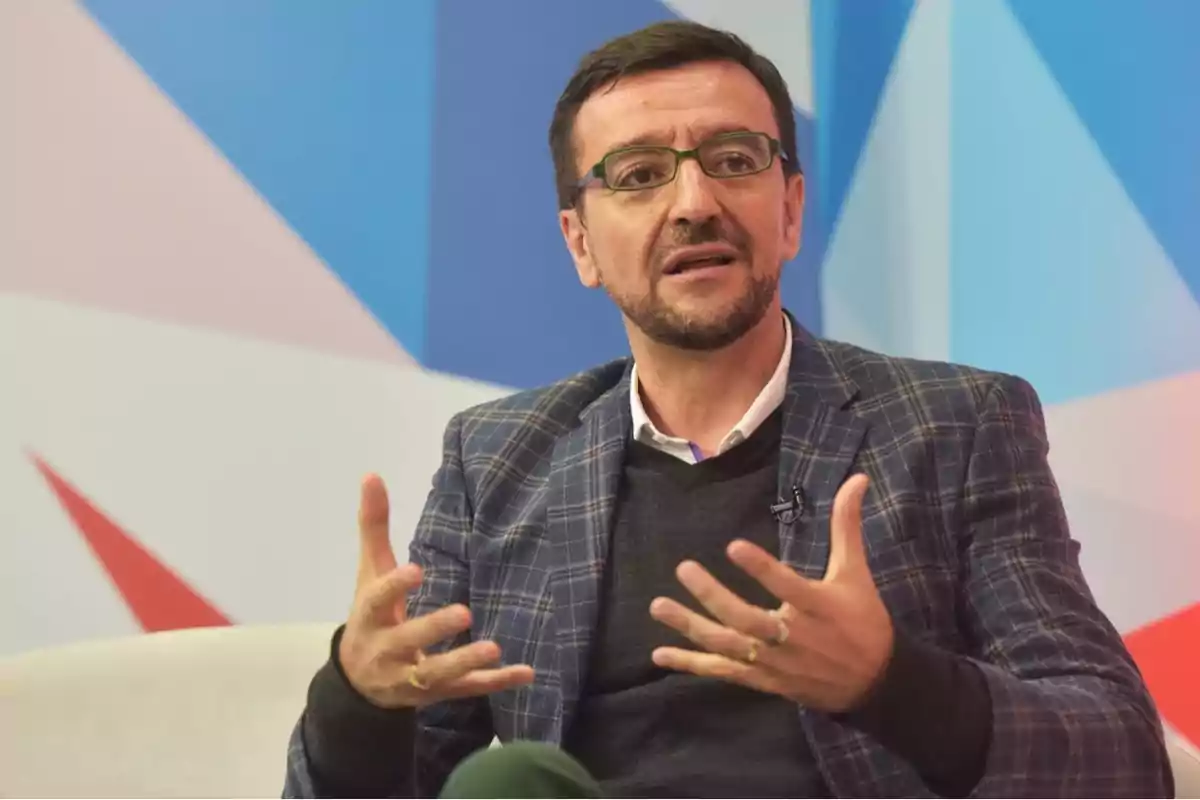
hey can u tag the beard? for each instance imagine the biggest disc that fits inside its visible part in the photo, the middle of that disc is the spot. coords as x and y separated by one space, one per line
699 331
662 323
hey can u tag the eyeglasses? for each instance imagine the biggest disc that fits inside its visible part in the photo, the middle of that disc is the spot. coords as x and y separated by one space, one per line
728 155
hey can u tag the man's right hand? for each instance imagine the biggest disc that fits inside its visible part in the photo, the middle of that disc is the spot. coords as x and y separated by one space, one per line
382 651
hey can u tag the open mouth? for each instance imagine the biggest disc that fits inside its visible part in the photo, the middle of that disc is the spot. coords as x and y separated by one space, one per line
699 263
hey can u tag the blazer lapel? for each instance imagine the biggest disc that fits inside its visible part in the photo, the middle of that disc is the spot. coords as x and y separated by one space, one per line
821 439
584 482
817 449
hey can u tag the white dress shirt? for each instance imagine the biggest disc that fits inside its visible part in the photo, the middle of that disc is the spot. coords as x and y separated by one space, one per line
769 399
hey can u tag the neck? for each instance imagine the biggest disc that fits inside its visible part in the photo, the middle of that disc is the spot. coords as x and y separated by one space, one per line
701 396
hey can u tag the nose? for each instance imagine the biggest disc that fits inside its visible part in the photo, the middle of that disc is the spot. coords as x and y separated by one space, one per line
694 199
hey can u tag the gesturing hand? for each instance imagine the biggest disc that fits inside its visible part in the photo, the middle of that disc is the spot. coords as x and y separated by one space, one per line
825 646
382 651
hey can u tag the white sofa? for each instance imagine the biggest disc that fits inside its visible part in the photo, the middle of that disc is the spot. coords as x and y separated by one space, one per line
194 713
1185 762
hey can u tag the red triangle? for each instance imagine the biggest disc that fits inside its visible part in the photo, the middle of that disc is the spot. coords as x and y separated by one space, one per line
1167 652
157 596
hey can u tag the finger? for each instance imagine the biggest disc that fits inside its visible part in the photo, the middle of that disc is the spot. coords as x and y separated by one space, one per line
487 681
723 603
711 665
712 636
445 668
776 577
847 551
427 630
375 547
383 601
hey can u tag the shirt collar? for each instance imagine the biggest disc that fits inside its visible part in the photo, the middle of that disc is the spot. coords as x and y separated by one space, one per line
768 400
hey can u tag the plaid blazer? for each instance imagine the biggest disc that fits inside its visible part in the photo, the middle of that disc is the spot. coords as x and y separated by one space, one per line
965 532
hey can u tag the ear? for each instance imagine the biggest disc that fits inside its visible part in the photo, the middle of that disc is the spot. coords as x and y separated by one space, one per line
576 236
793 210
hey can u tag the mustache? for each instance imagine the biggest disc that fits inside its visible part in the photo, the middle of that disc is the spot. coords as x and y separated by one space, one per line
710 231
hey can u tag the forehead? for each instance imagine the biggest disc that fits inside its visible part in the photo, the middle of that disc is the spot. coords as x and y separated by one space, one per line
677 107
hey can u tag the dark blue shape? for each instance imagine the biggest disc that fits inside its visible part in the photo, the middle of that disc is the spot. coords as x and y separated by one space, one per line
800 288
854 44
325 108
505 304
1130 69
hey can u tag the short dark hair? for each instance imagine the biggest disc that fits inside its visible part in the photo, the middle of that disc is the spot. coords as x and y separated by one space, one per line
663 45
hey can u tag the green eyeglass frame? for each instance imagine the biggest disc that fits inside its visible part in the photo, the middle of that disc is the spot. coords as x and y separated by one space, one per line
773 150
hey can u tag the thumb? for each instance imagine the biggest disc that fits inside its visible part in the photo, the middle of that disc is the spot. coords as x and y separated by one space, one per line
375 556
847 550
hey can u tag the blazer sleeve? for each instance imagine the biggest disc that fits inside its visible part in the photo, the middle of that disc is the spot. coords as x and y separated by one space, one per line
1071 713
445 733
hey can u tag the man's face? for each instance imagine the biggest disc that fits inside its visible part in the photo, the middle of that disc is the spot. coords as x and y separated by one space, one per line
629 242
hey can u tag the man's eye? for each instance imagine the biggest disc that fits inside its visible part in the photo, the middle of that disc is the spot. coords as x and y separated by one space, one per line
734 164
639 175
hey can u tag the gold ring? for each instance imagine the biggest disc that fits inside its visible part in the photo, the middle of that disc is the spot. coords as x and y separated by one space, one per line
785 612
782 631
413 679
752 653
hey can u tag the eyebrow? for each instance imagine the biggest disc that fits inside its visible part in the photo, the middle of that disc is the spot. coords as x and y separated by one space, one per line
659 139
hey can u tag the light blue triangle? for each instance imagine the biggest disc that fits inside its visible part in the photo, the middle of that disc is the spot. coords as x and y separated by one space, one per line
1130 69
1055 275
886 279
326 109
853 45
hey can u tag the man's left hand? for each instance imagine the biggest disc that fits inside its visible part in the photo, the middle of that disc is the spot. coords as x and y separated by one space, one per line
826 646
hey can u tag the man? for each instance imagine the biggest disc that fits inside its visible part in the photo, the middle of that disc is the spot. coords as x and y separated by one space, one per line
748 562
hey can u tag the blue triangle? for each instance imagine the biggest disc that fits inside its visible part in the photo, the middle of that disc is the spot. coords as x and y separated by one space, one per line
1130 69
853 45
1055 274
325 109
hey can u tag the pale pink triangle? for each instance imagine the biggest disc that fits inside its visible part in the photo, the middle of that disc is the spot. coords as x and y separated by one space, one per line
119 202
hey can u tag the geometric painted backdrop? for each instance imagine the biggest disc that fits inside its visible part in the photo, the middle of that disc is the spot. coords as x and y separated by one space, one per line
249 251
